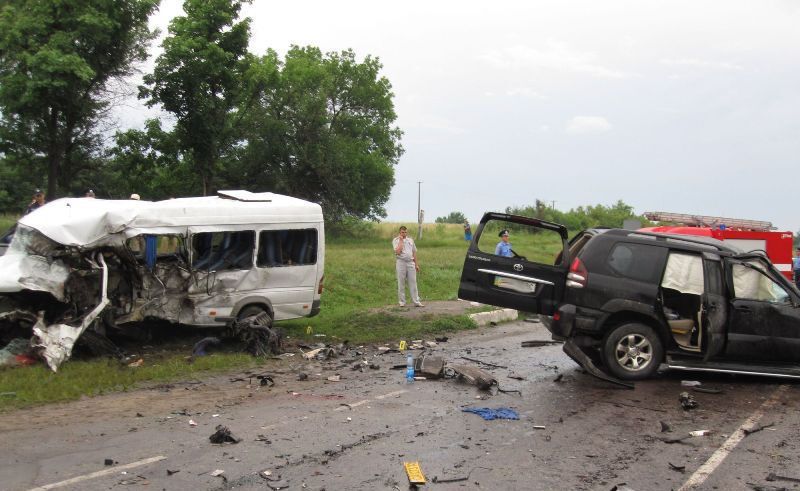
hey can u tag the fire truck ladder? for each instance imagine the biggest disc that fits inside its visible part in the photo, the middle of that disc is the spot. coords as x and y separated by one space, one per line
709 221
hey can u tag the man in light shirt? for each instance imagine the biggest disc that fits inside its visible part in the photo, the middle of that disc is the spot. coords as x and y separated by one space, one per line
406 266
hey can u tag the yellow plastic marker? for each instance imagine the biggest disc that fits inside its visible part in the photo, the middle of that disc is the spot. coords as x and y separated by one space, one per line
403 345
309 330
414 473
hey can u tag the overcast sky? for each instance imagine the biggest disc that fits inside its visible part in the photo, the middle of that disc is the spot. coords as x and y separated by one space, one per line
680 106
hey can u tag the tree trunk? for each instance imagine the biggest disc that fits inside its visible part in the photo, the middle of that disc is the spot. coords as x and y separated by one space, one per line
53 155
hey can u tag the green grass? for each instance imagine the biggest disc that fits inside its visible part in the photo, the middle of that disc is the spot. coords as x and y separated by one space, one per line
7 221
22 387
359 282
360 277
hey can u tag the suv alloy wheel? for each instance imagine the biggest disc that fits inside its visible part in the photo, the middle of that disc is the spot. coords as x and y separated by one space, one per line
633 351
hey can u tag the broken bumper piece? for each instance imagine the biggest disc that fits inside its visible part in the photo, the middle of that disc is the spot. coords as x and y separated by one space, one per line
577 354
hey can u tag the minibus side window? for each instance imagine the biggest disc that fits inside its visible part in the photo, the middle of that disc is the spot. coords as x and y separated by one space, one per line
219 251
287 248
150 249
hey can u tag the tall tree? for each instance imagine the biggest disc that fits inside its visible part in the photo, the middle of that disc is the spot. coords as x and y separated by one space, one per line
198 79
57 61
320 127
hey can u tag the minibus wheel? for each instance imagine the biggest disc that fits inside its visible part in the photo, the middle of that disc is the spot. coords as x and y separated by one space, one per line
256 310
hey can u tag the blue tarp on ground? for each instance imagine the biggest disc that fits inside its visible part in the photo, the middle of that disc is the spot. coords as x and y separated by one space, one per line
488 413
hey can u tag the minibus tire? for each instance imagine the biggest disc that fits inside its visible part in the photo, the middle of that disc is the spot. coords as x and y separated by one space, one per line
252 310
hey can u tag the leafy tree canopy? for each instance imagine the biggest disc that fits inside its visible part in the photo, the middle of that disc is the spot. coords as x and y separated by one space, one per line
319 127
198 79
57 61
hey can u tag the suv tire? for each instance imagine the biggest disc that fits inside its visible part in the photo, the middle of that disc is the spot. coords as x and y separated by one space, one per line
633 351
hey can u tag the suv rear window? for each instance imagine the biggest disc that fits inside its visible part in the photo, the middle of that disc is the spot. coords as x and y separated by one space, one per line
636 261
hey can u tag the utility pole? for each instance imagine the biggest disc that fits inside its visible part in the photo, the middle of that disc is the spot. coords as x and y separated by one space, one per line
419 210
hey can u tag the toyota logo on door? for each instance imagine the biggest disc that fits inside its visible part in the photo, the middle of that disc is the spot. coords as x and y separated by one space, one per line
517 267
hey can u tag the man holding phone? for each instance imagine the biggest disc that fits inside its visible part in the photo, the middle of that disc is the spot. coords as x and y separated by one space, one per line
405 253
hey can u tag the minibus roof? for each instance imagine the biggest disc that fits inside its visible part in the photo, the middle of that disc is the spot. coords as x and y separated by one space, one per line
85 222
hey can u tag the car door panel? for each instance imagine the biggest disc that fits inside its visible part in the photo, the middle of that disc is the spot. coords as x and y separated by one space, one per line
764 319
523 282
714 315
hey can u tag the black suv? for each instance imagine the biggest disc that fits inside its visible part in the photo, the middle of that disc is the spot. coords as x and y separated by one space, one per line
629 301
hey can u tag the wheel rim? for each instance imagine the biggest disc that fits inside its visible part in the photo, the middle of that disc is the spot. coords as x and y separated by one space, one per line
634 352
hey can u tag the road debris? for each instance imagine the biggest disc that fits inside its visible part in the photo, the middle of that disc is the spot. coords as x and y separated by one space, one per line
687 401
759 487
708 390
414 473
335 378
429 366
16 353
200 348
136 363
665 427
690 383
265 380
490 413
775 477
310 355
302 376
539 342
223 435
192 422
679 468
441 339
473 375
438 480
483 362
691 434
757 429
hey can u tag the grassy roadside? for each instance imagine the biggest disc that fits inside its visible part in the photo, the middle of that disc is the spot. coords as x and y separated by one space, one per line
359 283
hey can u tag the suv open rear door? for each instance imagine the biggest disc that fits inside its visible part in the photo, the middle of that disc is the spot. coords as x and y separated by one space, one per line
517 272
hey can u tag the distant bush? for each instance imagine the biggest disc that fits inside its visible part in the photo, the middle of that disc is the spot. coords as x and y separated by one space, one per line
453 217
349 227
581 217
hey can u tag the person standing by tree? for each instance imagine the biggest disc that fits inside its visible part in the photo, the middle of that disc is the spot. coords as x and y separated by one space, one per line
38 200
504 246
406 266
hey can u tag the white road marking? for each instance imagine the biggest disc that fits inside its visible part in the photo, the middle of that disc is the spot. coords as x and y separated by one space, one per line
112 470
705 470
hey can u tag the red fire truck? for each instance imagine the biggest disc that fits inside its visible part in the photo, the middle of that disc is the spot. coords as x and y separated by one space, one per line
748 235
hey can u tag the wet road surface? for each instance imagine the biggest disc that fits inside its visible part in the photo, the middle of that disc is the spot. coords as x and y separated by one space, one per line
574 432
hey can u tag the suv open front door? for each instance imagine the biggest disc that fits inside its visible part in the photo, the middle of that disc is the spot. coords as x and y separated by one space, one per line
516 271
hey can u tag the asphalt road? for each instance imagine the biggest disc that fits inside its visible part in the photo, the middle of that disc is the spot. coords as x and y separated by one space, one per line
573 432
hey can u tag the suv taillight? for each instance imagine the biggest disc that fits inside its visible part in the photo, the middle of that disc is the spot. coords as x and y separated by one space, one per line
578 275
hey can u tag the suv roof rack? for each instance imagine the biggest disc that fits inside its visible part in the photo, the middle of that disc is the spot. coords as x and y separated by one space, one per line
692 240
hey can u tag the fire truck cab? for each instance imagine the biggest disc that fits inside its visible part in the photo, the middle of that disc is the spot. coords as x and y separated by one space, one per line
747 235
